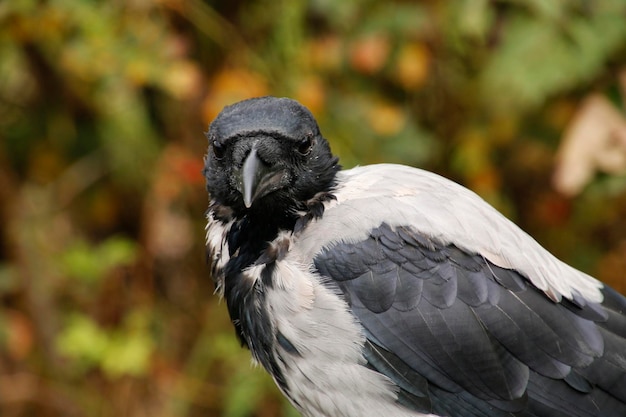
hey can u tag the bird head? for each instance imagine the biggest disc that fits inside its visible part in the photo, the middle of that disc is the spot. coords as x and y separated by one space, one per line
265 155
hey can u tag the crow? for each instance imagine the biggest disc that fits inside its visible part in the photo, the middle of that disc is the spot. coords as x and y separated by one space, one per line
386 290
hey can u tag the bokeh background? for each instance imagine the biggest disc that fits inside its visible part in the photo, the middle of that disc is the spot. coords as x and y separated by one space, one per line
106 305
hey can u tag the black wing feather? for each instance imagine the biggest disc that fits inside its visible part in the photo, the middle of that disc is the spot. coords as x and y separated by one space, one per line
461 336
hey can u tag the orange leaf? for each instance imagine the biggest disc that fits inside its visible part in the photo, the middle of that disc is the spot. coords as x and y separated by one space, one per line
229 86
412 66
386 119
323 53
311 92
20 335
183 79
370 53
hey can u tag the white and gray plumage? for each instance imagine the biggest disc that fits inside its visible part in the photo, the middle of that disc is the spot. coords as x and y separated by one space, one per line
390 291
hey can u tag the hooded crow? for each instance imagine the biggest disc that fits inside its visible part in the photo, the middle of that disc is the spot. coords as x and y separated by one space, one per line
390 291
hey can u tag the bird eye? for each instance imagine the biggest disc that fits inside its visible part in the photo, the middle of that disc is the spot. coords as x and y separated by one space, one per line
218 149
305 145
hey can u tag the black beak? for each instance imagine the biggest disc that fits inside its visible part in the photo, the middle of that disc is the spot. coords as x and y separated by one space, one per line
255 178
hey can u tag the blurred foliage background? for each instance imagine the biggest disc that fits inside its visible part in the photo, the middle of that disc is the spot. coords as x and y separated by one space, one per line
106 306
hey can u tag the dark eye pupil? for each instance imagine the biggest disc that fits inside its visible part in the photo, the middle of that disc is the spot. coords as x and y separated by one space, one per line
218 149
305 146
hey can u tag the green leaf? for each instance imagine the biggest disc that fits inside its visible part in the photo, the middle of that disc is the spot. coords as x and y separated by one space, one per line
83 341
127 353
90 263
117 251
81 262
539 58
246 389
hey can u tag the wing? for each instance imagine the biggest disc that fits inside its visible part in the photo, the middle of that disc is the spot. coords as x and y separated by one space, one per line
462 336
449 213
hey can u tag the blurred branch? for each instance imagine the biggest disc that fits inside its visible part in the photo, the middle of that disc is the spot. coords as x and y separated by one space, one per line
209 22
34 237
216 28
78 177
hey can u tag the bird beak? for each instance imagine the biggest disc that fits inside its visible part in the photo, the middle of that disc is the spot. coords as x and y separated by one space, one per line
256 179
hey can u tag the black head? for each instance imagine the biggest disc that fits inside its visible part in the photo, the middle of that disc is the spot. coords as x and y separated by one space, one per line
266 156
